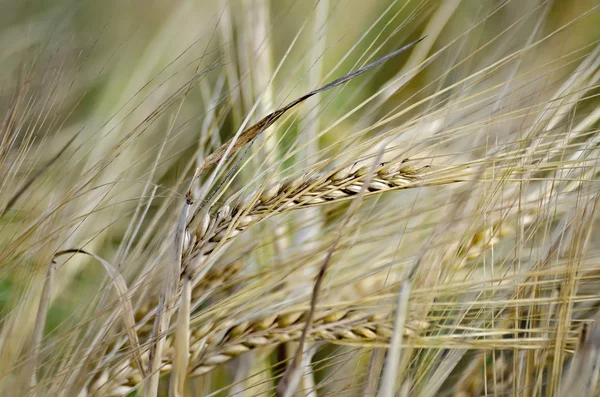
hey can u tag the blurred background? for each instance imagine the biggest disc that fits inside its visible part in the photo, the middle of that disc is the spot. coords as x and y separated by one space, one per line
134 94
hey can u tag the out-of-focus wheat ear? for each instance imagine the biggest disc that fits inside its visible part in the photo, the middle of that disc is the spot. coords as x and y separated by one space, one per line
38 331
126 310
181 353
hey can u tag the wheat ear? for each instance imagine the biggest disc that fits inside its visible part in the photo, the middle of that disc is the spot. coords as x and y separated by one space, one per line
216 228
212 346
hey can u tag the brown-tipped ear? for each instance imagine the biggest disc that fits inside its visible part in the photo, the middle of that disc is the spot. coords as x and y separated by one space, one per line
252 132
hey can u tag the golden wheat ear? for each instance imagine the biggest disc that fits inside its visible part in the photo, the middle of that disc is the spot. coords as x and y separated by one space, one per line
252 132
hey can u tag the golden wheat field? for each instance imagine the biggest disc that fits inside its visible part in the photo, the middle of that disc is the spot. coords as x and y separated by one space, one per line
308 198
